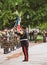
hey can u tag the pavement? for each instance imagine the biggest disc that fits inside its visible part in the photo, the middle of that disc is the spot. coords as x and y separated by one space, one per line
37 56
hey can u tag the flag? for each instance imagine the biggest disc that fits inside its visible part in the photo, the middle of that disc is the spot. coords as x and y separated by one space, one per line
17 23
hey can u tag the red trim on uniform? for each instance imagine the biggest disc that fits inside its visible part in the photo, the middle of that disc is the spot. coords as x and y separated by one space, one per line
25 51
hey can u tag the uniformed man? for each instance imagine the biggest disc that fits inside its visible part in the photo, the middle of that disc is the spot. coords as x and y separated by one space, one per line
24 42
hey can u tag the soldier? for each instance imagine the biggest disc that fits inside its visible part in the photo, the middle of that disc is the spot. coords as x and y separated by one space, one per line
44 36
24 42
5 44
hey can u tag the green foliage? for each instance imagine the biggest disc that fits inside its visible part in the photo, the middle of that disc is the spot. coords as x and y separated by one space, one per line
11 9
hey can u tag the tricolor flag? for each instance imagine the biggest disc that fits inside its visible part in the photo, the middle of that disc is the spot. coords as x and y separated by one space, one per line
17 23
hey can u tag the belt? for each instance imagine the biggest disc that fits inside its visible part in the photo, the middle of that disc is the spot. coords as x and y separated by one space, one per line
23 39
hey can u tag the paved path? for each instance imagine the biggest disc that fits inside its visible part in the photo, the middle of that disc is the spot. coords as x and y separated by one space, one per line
37 56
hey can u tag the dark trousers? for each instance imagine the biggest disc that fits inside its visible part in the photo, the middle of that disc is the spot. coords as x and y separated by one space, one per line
25 50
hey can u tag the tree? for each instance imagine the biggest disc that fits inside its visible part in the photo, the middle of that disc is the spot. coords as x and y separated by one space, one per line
11 9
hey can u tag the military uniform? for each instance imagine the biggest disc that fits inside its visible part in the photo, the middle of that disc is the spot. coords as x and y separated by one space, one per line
24 44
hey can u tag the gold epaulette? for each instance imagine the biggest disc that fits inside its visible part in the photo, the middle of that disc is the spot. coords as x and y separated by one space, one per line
21 32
